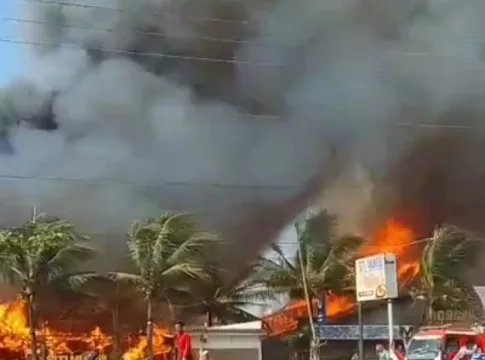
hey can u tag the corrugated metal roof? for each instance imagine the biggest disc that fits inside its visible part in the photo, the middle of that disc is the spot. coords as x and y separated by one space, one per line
247 326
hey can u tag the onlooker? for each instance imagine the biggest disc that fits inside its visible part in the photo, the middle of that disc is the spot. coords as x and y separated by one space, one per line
475 353
183 342
355 355
398 353
204 355
400 349
382 353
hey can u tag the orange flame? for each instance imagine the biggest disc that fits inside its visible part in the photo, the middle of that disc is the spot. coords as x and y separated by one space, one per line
159 345
394 237
15 338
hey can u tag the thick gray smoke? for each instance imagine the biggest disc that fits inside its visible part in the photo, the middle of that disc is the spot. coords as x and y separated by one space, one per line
124 105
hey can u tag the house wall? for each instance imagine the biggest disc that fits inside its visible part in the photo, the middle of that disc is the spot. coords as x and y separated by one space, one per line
234 354
344 349
275 349
230 345
229 341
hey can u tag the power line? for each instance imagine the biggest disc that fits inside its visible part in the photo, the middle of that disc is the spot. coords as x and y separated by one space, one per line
114 181
167 14
144 54
156 14
433 126
170 15
166 35
139 32
206 59
269 252
369 244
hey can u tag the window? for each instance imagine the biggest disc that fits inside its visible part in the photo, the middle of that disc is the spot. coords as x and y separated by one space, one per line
423 347
452 343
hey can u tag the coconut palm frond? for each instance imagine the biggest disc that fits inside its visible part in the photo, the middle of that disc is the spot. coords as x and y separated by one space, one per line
445 261
326 260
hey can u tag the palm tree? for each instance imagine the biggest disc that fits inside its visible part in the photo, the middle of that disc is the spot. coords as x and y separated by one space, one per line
445 261
327 261
167 253
41 255
323 264
228 302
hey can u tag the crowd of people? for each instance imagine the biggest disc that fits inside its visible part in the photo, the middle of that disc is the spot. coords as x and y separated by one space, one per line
464 351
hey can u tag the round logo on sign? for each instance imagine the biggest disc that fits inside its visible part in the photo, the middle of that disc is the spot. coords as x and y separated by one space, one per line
381 291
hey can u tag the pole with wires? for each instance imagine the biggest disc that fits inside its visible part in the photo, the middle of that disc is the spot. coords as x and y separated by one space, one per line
314 342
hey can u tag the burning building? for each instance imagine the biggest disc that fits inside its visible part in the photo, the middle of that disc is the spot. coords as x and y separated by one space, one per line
15 339
243 112
394 237
340 332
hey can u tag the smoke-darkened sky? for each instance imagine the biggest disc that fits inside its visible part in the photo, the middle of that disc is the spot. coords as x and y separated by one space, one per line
10 53
239 111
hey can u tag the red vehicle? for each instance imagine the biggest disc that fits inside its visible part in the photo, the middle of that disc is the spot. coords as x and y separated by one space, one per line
446 342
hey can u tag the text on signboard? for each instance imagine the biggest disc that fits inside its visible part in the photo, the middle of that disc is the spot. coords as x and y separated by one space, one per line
375 264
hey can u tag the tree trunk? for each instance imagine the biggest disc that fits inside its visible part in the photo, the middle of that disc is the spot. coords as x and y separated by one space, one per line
171 309
210 318
427 317
314 350
115 353
149 348
32 325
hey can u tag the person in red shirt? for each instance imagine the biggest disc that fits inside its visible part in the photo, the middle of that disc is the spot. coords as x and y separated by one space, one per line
183 342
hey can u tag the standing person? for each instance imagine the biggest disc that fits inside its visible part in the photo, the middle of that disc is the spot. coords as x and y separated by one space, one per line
462 352
476 353
204 355
382 353
183 342
398 353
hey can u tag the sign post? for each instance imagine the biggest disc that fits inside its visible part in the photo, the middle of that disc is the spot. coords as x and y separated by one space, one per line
376 279
321 314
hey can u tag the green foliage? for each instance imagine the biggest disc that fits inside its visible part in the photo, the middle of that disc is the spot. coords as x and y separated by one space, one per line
167 253
43 251
227 302
41 255
327 260
445 261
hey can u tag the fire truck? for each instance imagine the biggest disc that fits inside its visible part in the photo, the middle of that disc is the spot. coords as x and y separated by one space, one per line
445 342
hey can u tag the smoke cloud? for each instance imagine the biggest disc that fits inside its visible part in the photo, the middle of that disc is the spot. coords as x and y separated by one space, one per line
127 108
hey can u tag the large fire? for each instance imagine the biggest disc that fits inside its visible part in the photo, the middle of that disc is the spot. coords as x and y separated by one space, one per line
15 339
394 237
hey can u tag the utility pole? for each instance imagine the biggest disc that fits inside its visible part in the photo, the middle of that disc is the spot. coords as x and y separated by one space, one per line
314 342
34 213
361 329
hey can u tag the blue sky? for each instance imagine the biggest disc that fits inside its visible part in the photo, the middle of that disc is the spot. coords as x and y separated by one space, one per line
9 53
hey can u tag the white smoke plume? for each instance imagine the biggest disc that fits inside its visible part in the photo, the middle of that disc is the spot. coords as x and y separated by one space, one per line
127 108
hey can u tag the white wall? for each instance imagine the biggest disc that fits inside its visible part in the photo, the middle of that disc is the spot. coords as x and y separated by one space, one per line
231 345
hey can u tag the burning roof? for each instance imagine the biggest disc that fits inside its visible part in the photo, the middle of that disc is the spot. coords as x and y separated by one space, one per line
394 237
15 338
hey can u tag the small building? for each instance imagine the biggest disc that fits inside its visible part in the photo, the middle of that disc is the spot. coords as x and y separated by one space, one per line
232 342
